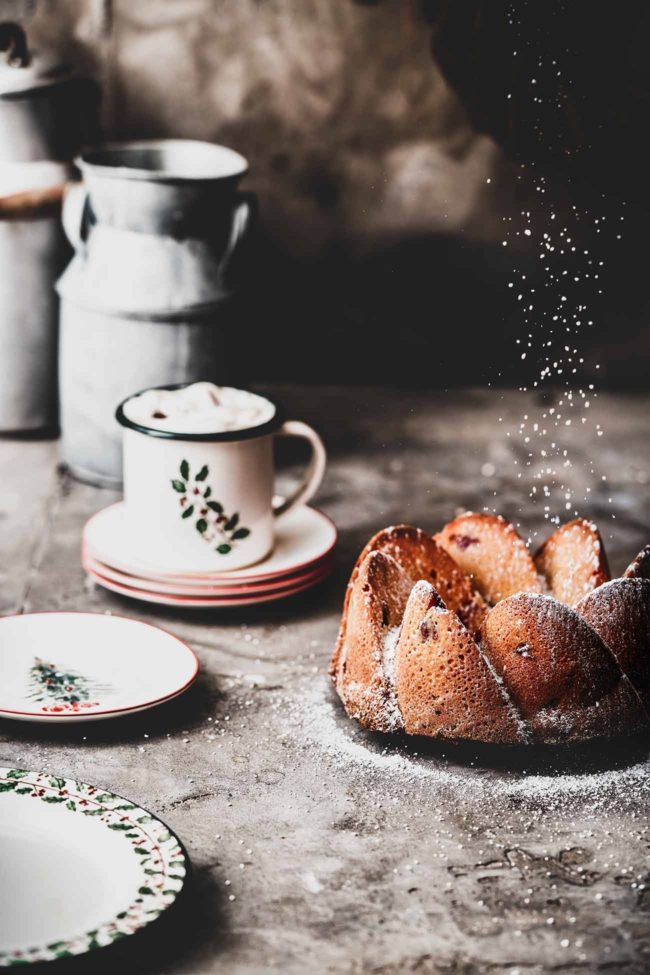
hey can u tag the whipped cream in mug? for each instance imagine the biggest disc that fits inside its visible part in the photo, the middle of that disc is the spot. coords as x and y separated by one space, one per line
199 408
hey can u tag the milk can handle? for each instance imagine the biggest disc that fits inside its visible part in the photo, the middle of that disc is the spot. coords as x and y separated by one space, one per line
244 217
76 215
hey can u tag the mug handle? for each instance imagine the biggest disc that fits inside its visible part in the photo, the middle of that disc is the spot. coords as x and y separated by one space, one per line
314 473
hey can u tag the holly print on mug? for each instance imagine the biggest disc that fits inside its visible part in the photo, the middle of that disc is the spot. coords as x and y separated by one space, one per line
197 503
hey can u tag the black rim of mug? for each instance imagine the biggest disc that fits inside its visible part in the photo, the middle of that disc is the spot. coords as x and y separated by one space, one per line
248 433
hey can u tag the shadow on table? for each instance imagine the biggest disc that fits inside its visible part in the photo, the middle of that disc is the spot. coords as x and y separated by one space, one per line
321 601
185 711
576 758
291 608
204 697
194 927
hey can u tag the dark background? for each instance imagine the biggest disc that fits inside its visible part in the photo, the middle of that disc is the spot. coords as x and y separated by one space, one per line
372 130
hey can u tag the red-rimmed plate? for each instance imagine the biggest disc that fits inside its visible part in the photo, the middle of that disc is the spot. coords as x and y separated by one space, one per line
63 667
213 590
304 536
208 602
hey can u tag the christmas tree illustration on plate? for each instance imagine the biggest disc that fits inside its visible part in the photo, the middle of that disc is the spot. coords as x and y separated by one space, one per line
58 690
196 501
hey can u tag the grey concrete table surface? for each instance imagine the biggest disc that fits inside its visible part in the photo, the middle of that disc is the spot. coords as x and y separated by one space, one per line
316 847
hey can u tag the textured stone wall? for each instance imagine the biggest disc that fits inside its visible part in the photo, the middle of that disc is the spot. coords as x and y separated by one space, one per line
347 124
382 212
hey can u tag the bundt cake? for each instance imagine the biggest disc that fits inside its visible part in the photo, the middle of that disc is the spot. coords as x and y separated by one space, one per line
466 635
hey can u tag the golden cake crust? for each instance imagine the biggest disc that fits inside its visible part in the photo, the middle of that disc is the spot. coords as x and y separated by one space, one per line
376 605
419 557
444 685
619 612
640 567
420 649
573 561
566 682
493 553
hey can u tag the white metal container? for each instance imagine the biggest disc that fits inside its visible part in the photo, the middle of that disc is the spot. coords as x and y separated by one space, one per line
44 115
148 297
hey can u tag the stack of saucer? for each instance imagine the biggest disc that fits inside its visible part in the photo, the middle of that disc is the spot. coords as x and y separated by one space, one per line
301 558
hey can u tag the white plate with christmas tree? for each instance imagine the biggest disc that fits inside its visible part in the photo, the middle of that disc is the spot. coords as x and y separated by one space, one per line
80 868
64 667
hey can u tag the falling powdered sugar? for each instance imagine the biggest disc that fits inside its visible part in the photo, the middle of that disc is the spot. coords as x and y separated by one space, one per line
557 306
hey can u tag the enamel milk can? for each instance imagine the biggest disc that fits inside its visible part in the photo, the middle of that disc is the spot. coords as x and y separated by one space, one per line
157 228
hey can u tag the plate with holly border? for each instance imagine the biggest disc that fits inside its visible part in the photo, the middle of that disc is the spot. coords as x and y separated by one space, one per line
80 867
67 667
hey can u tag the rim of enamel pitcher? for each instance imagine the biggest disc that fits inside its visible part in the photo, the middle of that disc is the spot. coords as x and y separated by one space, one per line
85 161
248 433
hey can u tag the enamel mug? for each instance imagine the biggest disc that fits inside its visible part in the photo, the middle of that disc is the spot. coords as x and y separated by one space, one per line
205 502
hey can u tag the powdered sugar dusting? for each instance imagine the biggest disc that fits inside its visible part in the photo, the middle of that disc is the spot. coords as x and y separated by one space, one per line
319 719
316 713
391 709
521 724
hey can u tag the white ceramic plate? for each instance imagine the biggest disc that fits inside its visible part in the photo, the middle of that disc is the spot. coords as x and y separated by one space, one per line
213 590
80 867
303 536
204 602
59 667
